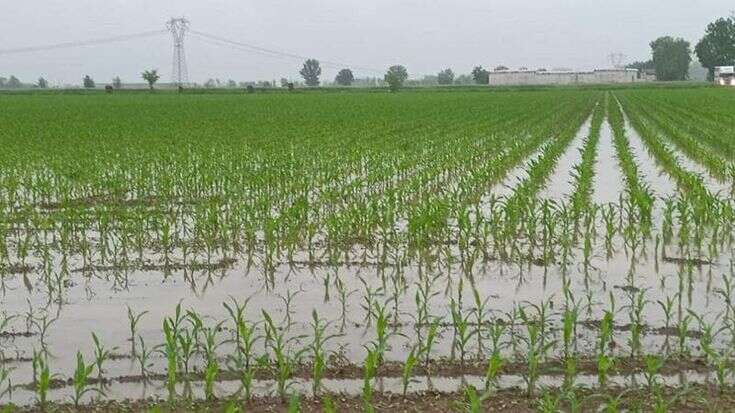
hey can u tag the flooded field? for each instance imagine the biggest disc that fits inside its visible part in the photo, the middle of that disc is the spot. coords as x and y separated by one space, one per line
540 250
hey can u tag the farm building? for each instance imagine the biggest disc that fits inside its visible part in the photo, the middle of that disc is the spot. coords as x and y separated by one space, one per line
725 75
533 77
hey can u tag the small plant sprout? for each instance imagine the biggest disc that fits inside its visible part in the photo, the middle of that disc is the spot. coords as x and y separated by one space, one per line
370 367
285 361
42 379
653 364
81 380
319 356
101 355
171 352
133 320
143 356
473 401
408 366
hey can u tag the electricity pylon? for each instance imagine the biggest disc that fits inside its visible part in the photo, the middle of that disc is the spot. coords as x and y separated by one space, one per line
178 28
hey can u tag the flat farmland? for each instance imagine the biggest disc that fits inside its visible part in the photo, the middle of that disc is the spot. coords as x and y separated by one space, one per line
526 250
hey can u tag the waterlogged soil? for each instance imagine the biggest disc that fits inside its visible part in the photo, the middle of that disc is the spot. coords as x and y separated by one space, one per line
652 173
96 299
608 180
696 399
97 303
712 183
560 183
506 187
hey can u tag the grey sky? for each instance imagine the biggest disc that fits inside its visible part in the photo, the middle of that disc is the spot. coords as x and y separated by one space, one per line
425 36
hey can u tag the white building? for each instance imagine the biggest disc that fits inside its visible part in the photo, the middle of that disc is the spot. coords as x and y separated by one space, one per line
725 75
533 77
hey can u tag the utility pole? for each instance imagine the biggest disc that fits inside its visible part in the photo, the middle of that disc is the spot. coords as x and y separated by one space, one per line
178 28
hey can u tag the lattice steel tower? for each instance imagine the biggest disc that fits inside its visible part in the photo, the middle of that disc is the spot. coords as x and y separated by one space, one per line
616 59
178 28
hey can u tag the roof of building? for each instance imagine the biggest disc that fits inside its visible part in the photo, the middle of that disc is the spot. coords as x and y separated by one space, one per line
571 72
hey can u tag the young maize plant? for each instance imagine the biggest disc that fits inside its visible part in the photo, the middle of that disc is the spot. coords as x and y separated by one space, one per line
471 241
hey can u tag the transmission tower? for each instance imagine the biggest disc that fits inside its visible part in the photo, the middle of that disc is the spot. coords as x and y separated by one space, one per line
616 59
178 28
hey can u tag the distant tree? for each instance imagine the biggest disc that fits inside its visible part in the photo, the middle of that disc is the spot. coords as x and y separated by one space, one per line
671 58
42 83
231 84
500 68
3 82
464 80
13 83
698 73
88 82
264 84
116 82
445 77
541 69
151 76
284 82
427 80
395 77
345 77
641 66
717 47
210 83
311 72
480 75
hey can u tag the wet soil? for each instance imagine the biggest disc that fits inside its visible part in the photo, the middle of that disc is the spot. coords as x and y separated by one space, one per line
696 398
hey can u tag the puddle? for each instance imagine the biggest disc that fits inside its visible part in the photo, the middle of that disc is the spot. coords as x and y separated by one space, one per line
512 179
609 182
714 185
157 390
658 180
687 164
499 266
560 183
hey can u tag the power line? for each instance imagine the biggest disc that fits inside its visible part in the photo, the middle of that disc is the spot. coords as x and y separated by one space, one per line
222 44
178 30
274 53
68 45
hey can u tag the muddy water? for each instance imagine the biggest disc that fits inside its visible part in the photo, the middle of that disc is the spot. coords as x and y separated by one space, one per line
560 183
713 184
353 387
515 176
98 303
658 180
95 304
609 182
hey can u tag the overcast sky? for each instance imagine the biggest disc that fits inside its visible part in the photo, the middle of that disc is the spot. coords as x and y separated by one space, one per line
425 36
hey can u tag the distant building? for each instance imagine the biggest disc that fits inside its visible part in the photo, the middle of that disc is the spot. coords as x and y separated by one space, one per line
554 77
724 75
647 75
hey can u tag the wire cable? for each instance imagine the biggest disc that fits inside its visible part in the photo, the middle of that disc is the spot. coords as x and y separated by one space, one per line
68 45
275 53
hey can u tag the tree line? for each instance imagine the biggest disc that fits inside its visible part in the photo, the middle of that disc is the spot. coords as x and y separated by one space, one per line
396 76
670 60
671 56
